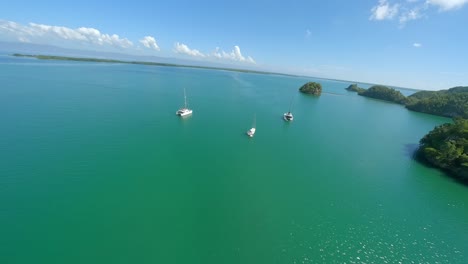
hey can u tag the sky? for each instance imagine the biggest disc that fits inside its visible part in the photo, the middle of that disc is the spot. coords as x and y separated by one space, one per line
420 44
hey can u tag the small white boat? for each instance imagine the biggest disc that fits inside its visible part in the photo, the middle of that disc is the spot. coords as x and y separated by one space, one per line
251 132
184 111
288 116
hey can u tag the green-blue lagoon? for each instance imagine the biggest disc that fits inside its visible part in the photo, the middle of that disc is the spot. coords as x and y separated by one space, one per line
97 168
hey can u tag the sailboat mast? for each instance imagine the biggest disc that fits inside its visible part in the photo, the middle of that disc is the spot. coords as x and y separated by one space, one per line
290 103
185 99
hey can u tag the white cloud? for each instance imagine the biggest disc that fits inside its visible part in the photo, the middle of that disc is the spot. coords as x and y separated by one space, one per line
14 29
384 11
55 31
46 34
216 53
445 5
308 33
89 35
150 43
417 45
91 38
234 55
412 14
184 49
407 10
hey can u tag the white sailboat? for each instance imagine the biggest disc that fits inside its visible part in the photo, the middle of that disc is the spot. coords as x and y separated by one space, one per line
184 111
251 132
288 116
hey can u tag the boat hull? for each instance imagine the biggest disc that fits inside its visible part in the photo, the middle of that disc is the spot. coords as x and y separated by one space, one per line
251 132
184 112
287 117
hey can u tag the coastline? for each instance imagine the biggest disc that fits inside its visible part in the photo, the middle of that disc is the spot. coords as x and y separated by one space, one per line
148 63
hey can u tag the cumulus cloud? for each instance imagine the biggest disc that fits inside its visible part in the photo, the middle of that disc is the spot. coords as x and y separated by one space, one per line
13 31
88 37
407 10
217 53
150 43
234 55
184 49
445 5
40 33
417 45
84 34
384 11
54 31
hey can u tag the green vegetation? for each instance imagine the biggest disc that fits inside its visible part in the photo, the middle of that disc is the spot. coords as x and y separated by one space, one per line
428 94
450 103
311 88
47 57
355 88
384 93
446 147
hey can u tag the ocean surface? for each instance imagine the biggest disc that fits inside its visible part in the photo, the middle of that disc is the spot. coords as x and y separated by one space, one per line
95 167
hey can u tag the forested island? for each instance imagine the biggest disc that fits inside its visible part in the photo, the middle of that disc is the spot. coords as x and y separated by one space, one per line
380 92
355 88
446 147
448 103
384 93
311 88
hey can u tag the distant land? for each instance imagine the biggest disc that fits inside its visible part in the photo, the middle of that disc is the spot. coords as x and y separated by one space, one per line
8 48
83 59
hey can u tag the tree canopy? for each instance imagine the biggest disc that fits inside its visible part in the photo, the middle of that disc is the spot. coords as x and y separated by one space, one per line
355 88
384 93
446 147
450 103
311 88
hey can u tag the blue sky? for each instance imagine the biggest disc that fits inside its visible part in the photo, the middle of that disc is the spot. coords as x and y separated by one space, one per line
418 44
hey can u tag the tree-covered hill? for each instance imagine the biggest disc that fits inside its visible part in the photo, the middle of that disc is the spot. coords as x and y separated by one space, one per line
446 147
429 94
450 103
355 88
311 88
384 93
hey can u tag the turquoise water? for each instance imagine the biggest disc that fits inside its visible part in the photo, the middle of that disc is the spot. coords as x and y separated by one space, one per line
97 168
